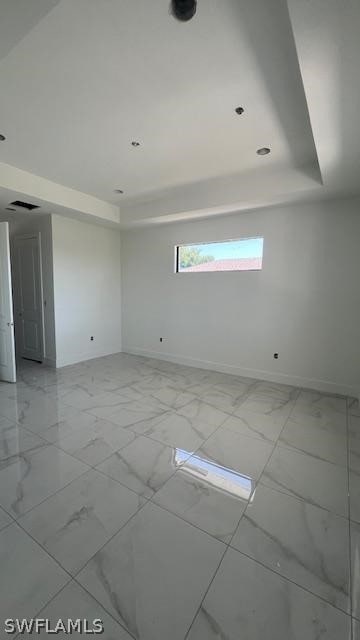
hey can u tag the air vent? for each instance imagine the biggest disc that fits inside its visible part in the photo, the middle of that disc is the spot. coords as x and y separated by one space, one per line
25 205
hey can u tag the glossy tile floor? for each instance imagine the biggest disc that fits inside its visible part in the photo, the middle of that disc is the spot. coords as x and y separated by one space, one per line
178 503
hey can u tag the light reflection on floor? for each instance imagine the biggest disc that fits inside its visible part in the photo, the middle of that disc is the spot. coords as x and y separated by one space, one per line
222 478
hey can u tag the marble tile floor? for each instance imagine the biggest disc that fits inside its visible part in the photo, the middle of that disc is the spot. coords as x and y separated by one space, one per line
176 503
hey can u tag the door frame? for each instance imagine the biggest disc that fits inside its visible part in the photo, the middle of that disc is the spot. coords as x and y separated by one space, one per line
10 367
36 235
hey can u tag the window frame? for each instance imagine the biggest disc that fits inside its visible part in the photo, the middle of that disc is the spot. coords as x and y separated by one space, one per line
177 248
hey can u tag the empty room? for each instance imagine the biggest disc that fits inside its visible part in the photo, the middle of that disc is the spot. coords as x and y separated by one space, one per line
180 319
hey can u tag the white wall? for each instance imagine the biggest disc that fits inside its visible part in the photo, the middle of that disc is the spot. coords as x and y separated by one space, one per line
304 304
86 289
42 225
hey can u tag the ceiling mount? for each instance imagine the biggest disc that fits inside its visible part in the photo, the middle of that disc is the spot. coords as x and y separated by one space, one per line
183 10
263 151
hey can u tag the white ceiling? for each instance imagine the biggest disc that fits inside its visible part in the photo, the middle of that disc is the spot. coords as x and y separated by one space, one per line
81 79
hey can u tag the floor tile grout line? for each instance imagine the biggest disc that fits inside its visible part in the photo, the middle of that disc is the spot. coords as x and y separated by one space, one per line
91 466
260 476
228 545
307 453
77 581
67 584
259 481
136 434
73 576
262 483
159 442
205 594
162 442
55 444
247 501
283 446
295 497
124 486
195 526
7 525
145 396
17 518
301 499
287 579
23 515
48 443
46 551
133 490
37 613
109 613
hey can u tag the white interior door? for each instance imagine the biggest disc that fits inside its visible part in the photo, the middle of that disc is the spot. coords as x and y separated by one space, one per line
28 298
7 344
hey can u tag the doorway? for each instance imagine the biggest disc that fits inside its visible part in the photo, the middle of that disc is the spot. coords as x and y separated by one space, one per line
7 344
28 297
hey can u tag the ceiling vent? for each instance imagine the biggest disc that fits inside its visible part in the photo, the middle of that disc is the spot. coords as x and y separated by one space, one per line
24 205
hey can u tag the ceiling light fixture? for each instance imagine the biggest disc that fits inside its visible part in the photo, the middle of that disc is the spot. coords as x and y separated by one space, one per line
183 10
239 110
2 137
135 144
263 151
118 191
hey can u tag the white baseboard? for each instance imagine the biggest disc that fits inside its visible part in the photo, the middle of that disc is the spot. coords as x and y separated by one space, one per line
281 378
74 358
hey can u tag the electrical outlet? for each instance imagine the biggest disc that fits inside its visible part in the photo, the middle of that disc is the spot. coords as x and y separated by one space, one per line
91 338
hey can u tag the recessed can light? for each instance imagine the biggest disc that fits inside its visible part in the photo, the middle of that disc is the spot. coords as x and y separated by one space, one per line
135 144
239 110
118 191
2 137
263 151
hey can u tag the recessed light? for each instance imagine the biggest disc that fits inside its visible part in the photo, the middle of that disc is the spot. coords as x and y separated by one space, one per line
118 191
239 110
263 151
135 144
2 137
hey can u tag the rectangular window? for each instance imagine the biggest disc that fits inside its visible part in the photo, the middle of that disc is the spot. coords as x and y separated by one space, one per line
231 255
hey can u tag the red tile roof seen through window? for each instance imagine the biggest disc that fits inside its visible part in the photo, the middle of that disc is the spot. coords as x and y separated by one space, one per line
227 264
